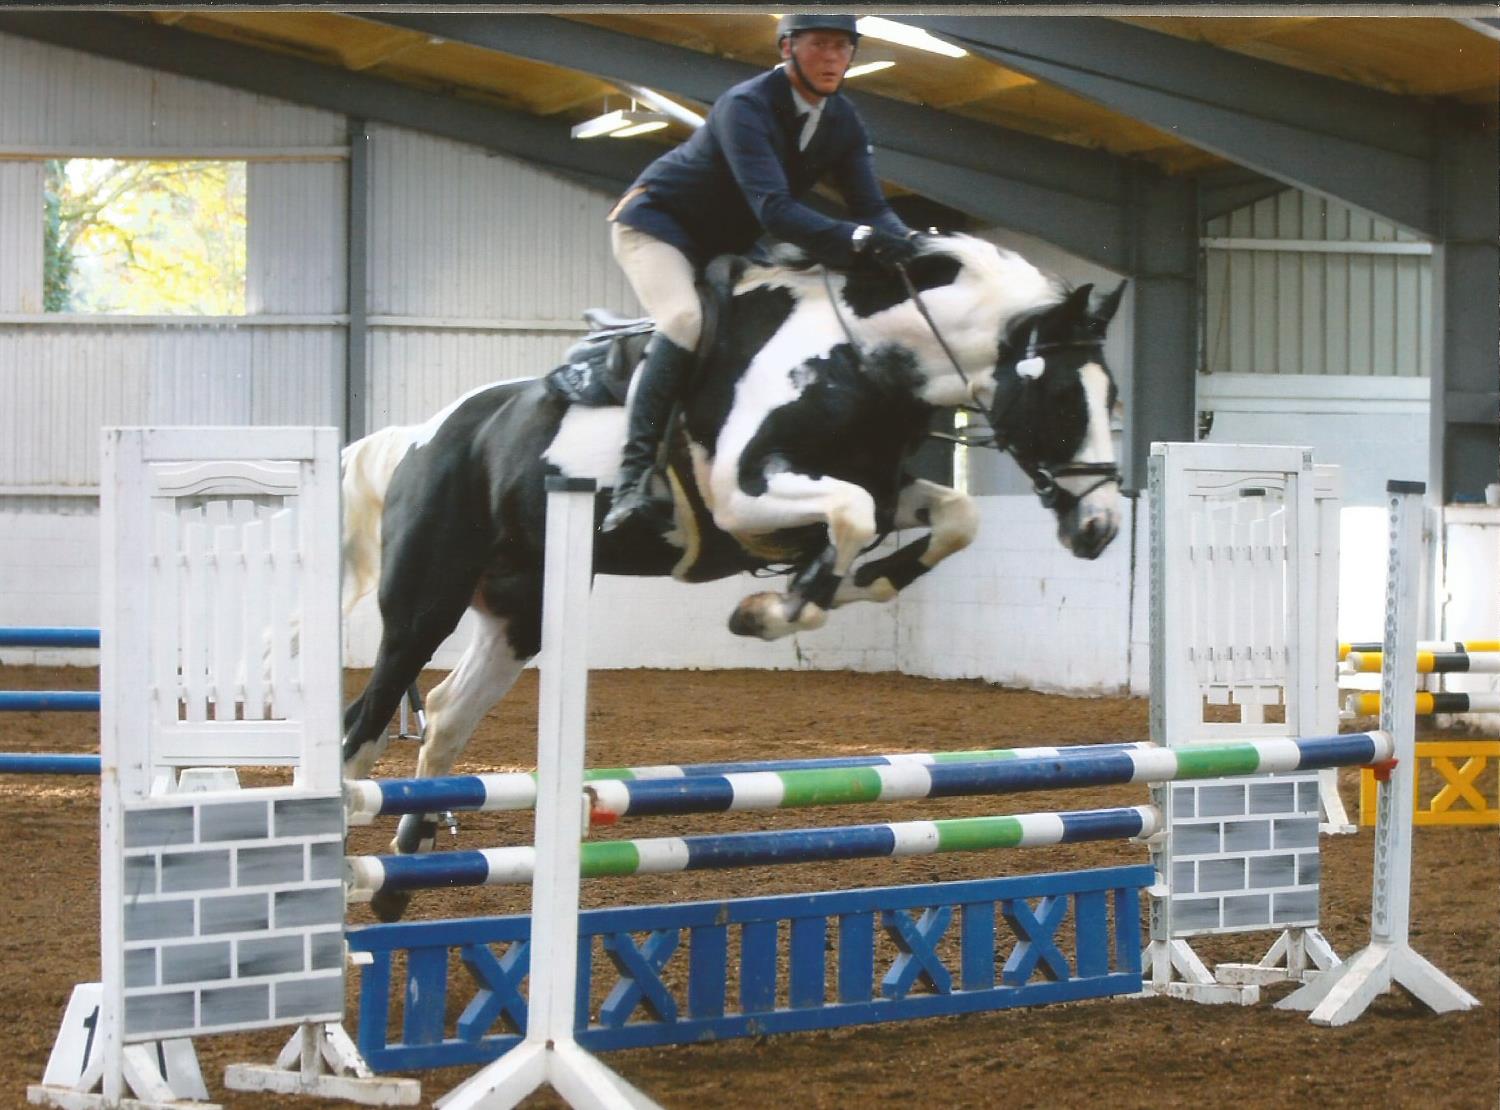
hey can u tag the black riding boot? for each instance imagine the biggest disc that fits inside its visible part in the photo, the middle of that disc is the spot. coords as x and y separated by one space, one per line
661 380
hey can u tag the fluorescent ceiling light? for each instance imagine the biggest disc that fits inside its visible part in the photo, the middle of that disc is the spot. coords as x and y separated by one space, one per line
639 128
868 67
633 120
888 30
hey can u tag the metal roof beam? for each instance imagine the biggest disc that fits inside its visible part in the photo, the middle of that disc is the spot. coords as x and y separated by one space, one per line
352 94
1362 146
1067 195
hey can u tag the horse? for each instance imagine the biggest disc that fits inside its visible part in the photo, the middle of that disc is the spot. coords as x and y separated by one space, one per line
789 451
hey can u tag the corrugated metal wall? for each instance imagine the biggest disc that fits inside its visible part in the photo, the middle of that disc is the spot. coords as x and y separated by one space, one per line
50 96
479 266
20 240
1349 307
61 380
479 269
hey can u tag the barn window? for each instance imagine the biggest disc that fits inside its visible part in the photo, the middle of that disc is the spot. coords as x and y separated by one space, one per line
144 238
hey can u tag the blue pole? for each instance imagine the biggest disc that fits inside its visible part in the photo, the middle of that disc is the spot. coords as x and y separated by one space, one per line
47 763
49 637
49 701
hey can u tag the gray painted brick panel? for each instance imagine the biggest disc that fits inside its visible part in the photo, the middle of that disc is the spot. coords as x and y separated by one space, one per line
328 950
1247 909
1307 796
1195 913
1296 905
1296 832
310 817
327 861
1184 801
158 920
310 997
195 963
234 821
271 956
182 871
236 1005
158 828
140 875
1309 868
1273 797
1221 874
151 1013
280 864
239 913
1221 801
1195 840
320 906
140 967
1184 877
1247 836
1268 871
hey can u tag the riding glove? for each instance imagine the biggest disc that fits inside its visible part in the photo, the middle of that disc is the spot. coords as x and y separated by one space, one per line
883 248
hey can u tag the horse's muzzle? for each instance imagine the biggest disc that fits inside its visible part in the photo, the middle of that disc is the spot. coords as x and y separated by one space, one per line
1089 526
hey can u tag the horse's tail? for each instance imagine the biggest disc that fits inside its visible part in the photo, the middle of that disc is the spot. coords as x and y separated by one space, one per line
367 465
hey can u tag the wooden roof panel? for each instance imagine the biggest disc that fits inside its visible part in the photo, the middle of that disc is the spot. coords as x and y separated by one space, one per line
1421 56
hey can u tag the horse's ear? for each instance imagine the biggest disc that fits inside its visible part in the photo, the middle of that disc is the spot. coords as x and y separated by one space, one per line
1077 301
1102 308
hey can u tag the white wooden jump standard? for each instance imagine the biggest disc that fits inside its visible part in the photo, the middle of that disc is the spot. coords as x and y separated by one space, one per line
549 1055
1338 996
219 648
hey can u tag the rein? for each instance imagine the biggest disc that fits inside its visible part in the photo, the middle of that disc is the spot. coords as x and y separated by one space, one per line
1044 479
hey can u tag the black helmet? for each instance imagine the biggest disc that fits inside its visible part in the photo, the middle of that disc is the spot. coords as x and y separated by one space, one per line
791 24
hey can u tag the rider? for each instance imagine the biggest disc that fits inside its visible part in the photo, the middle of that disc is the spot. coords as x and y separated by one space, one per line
766 143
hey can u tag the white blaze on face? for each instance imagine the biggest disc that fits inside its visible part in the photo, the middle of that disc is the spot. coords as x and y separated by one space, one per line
1098 447
588 443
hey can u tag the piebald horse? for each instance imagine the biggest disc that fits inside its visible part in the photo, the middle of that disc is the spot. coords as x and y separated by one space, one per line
816 390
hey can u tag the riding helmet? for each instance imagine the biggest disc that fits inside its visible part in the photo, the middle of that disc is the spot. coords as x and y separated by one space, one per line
791 24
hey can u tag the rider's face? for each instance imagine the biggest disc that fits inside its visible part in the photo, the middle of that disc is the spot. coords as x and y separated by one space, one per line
823 56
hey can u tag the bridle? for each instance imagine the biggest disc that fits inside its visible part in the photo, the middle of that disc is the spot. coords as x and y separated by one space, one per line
1044 478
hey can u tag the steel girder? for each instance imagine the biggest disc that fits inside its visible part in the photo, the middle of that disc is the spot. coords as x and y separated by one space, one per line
335 90
1064 194
1332 137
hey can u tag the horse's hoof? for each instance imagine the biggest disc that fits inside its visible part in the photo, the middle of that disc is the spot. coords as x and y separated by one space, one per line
764 615
390 905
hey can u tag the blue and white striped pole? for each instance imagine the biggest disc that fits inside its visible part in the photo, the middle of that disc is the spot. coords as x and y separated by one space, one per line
499 866
516 790
904 781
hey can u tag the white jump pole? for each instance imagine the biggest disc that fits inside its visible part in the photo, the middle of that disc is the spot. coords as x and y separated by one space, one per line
549 1055
1338 996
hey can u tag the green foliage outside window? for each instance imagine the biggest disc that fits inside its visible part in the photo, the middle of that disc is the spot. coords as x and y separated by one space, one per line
144 238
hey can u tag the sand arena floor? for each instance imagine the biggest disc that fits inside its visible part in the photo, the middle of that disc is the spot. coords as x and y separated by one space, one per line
1124 1053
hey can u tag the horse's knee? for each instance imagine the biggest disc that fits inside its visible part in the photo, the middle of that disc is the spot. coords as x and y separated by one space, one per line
955 524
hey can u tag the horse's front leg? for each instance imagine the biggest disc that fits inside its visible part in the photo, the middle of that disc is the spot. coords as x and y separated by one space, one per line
793 501
952 522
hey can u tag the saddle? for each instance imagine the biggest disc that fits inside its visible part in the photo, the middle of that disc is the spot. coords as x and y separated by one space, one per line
596 371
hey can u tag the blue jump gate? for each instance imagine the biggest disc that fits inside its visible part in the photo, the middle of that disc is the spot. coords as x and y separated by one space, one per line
1101 957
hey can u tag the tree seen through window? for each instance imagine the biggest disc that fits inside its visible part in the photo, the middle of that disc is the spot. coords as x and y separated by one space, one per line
141 237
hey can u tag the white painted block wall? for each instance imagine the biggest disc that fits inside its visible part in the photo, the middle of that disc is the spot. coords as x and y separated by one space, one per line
49 574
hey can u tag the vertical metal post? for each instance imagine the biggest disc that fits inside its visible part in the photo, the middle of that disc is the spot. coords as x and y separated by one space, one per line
353 418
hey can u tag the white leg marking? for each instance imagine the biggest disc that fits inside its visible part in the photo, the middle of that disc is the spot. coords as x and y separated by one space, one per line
486 672
952 518
792 500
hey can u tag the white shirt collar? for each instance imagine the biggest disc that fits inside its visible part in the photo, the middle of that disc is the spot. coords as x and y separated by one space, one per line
802 105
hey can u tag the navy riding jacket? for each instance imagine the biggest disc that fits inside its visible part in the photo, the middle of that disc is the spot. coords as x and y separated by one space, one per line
742 173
